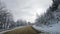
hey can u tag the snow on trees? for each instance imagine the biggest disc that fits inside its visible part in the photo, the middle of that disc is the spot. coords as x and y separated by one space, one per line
5 17
52 15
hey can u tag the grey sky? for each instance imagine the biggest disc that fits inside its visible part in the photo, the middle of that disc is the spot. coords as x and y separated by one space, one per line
27 9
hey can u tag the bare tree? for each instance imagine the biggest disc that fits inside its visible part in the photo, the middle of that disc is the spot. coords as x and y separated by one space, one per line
21 23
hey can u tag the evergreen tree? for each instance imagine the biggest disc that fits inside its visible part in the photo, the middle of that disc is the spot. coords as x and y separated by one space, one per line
52 15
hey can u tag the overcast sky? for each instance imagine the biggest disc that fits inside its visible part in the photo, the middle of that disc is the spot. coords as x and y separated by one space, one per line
27 9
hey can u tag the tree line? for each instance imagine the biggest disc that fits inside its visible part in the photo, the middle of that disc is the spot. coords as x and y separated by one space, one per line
7 21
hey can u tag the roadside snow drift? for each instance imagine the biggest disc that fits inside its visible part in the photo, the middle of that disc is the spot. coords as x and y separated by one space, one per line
52 29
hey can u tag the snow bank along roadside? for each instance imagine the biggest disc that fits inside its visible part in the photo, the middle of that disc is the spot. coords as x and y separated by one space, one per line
12 29
54 29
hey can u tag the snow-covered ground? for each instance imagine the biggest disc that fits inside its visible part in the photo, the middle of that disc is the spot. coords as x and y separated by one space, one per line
12 29
52 29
